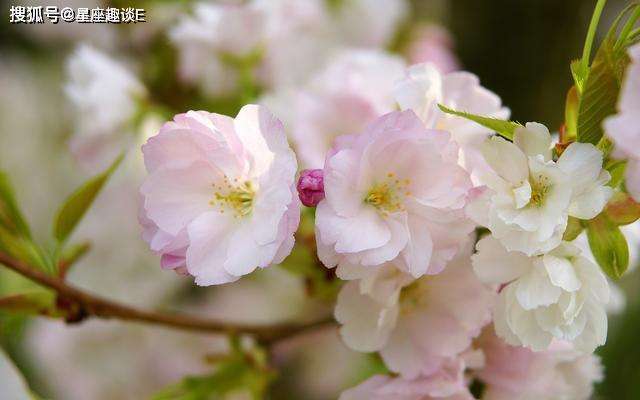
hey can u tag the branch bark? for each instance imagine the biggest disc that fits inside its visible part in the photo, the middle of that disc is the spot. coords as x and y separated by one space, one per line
94 306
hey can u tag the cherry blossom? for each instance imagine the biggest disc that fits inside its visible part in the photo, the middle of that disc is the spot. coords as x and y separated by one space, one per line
220 196
447 384
530 196
216 30
416 325
424 87
517 373
104 94
352 91
369 23
433 44
560 295
394 193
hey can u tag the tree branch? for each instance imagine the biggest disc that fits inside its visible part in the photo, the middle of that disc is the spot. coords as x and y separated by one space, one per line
92 305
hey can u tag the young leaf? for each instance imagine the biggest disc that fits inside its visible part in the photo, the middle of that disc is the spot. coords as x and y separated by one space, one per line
580 74
79 202
600 92
10 216
70 256
231 376
616 168
602 87
23 249
503 128
609 246
622 209
571 116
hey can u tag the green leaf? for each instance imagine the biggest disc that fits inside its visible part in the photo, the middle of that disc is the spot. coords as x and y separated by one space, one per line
600 93
602 87
622 209
71 255
25 250
609 246
10 216
231 376
616 169
79 202
571 116
22 296
503 128
574 228
580 74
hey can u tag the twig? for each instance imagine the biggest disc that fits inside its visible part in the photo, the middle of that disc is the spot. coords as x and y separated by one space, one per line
92 305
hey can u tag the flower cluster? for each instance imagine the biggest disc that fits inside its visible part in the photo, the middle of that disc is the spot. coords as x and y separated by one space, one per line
448 227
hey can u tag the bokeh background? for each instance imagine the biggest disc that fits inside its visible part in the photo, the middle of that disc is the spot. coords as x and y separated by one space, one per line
520 49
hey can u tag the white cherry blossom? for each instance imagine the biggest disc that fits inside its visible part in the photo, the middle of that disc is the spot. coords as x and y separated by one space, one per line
560 295
530 197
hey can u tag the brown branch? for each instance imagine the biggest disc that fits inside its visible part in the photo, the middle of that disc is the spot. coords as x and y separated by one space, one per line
92 305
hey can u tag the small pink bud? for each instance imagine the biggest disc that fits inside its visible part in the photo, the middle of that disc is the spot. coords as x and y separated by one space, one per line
311 187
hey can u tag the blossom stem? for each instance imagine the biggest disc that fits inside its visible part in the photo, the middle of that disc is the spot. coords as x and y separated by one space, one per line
94 306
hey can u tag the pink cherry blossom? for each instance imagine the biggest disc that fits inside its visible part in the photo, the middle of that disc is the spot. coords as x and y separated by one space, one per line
424 87
394 193
624 127
351 92
433 44
517 373
447 384
220 196
417 325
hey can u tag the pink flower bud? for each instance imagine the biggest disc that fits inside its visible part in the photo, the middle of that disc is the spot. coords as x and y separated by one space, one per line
311 187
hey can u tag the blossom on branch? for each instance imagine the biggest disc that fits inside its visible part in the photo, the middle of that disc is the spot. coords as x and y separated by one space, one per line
517 373
394 193
351 92
424 87
530 197
560 295
417 325
220 197
448 383
104 95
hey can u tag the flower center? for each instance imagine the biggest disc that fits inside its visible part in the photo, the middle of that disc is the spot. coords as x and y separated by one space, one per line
540 187
388 196
237 198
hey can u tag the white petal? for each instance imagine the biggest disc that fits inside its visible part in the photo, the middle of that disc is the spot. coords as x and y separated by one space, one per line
561 273
533 140
208 236
494 264
366 230
534 289
522 194
366 324
582 162
506 159
590 202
